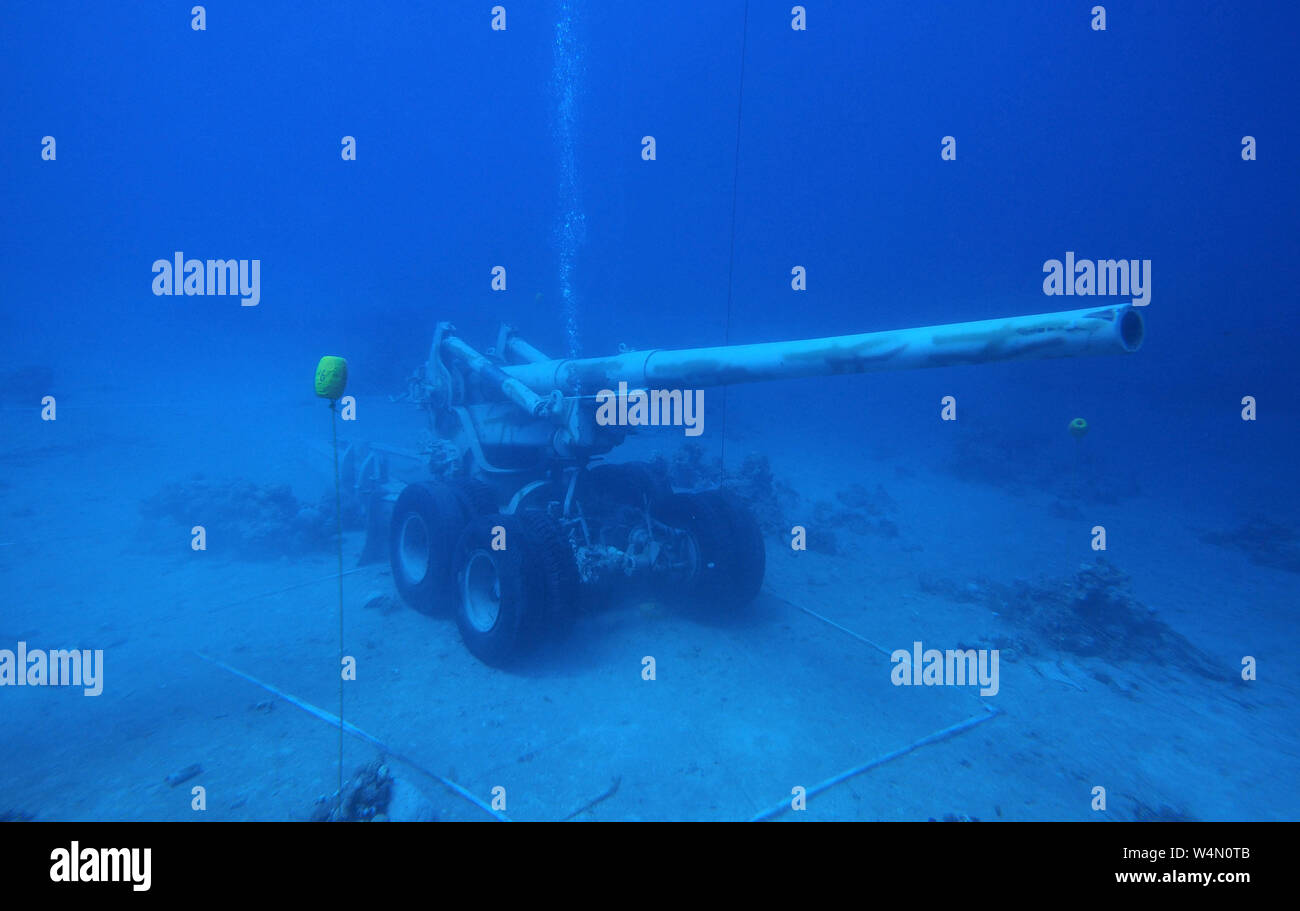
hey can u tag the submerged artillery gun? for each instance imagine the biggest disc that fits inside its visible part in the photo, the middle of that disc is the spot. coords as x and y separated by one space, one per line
516 522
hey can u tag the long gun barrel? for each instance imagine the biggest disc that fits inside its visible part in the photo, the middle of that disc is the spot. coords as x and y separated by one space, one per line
1116 329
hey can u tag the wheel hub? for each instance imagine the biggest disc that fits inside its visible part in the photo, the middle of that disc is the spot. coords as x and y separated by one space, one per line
413 550
481 591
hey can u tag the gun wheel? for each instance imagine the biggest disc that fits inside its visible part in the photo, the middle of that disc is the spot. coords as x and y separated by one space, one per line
559 570
501 588
427 519
728 556
476 496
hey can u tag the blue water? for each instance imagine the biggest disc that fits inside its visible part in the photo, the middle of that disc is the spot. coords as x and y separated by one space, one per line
521 148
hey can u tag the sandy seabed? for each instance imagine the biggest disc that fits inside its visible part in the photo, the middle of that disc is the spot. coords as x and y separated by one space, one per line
742 710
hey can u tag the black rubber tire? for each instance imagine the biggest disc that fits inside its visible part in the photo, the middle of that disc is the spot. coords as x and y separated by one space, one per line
476 495
512 581
748 549
428 518
732 558
624 484
559 571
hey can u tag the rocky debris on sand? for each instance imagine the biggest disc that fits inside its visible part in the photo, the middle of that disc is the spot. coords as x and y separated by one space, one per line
860 511
857 510
822 539
253 520
381 602
1021 463
1090 614
772 500
364 796
1265 541
686 470
1141 812
183 775
374 794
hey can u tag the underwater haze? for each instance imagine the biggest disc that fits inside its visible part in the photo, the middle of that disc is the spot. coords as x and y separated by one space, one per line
1112 538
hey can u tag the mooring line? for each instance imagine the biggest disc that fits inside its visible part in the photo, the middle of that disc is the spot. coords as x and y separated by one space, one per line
944 734
844 629
735 194
338 512
360 734
609 792
830 622
288 588
990 711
